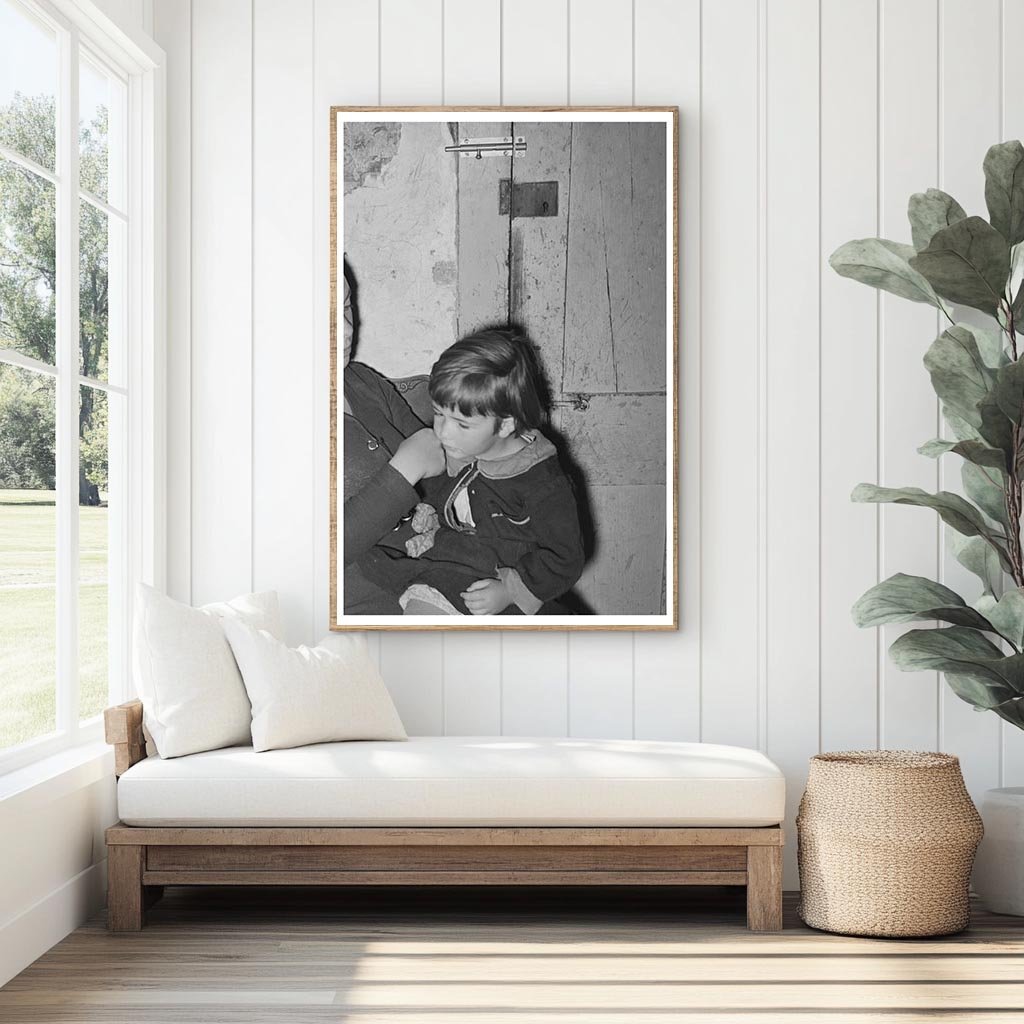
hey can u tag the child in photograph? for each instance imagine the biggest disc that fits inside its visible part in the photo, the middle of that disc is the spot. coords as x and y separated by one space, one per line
498 532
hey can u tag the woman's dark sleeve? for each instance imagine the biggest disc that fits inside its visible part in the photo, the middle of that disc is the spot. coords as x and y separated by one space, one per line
375 510
387 496
400 411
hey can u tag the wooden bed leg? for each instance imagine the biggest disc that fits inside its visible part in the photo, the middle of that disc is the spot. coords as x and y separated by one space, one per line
125 898
764 888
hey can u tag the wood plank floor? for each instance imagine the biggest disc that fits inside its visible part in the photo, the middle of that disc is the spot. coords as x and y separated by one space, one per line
264 956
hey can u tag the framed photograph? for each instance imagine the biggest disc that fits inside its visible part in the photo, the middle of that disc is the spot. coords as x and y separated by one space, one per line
504 397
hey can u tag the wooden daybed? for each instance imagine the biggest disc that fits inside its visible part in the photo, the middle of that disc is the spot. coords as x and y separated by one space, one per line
143 858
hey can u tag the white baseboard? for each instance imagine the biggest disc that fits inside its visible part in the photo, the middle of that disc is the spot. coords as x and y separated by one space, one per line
25 938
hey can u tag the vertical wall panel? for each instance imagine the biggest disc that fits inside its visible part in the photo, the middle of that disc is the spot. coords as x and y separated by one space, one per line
600 52
601 685
413 669
849 372
344 53
666 666
283 309
968 125
410 52
534 694
908 102
1012 116
173 30
472 661
534 61
128 14
472 684
221 377
472 52
792 371
729 387
373 646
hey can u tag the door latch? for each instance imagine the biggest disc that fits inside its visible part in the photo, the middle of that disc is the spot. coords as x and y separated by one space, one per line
528 198
477 149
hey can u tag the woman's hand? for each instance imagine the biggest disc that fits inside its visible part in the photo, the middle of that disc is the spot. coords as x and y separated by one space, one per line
419 455
486 597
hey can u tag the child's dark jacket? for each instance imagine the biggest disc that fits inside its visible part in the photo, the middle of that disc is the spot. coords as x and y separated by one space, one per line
525 530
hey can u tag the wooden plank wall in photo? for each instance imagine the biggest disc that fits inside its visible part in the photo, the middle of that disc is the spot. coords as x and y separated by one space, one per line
804 123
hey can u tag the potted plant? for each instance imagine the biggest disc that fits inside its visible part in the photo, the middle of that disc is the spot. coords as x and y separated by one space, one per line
978 374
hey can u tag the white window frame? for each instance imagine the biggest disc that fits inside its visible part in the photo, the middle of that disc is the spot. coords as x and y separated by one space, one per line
141 64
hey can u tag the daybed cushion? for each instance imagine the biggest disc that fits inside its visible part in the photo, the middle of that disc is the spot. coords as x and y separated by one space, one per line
458 780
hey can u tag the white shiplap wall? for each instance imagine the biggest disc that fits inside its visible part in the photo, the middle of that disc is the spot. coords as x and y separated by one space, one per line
804 123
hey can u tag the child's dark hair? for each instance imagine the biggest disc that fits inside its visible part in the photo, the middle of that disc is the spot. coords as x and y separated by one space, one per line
491 373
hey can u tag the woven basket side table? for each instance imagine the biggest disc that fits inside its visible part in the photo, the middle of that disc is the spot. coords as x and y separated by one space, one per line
885 843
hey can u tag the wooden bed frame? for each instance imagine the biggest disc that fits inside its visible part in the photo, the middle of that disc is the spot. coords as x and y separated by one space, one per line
142 860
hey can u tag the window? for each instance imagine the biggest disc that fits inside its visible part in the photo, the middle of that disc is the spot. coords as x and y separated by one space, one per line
77 266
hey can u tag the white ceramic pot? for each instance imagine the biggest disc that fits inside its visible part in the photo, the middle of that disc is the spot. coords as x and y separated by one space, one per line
999 866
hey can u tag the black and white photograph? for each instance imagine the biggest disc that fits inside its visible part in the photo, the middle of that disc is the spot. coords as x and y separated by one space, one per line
504 364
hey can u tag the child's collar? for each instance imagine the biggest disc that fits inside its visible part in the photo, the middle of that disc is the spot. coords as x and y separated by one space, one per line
537 449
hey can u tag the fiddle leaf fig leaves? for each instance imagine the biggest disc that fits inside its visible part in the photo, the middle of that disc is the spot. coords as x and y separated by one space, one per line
1011 710
985 487
990 345
883 264
980 692
1006 614
964 652
1009 390
930 212
973 451
952 509
1015 285
976 555
962 430
1004 189
959 374
967 263
996 428
903 598
979 380
1017 309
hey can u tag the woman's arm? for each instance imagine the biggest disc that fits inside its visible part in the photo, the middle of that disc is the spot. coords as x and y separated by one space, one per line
375 510
389 494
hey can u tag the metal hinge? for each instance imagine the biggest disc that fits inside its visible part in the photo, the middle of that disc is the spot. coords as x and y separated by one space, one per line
476 149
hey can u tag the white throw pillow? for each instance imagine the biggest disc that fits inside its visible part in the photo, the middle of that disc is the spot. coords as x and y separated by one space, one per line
192 693
309 694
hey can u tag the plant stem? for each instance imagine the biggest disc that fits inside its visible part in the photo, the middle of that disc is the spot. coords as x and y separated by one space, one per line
1013 484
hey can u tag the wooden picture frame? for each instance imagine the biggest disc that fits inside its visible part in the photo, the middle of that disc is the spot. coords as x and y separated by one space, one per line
430 212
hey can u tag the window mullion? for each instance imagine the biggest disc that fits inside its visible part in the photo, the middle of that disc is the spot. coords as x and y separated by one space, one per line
67 386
